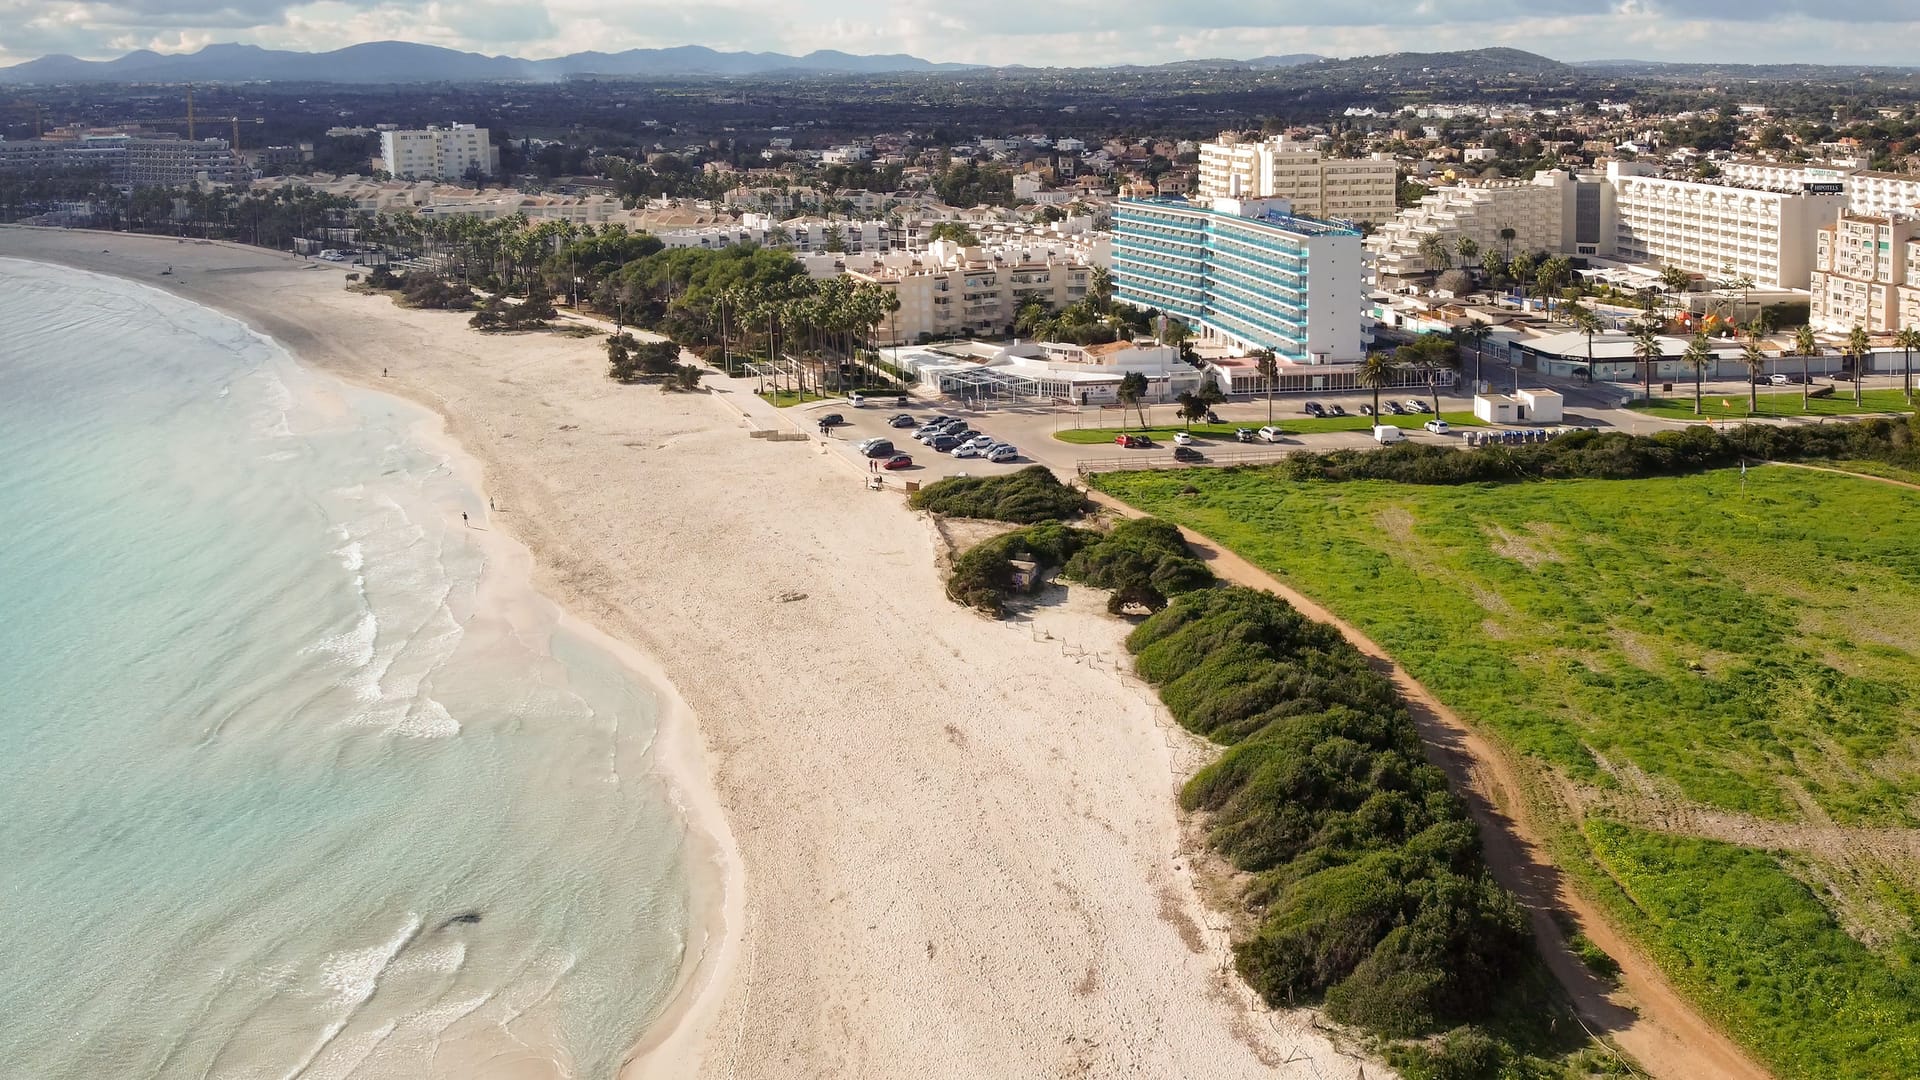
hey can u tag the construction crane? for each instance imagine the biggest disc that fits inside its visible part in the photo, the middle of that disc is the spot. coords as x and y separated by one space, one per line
190 121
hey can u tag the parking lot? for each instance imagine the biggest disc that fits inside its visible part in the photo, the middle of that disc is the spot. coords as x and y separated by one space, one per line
928 464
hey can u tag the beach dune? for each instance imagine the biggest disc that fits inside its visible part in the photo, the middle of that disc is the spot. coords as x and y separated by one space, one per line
937 845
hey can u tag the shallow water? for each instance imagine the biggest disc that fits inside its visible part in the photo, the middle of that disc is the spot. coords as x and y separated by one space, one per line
265 740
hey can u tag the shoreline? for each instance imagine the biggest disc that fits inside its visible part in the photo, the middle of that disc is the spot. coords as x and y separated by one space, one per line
962 842
714 878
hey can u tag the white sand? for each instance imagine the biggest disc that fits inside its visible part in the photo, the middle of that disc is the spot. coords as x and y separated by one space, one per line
941 846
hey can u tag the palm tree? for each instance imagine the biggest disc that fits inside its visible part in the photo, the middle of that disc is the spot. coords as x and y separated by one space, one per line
1433 252
1467 248
1474 335
1698 356
1806 346
1857 348
1376 373
1756 362
1493 266
1521 270
1552 274
1269 371
1646 345
1100 288
1506 237
1585 321
1908 338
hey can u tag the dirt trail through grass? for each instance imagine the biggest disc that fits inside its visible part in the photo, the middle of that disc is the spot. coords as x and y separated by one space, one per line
1661 1031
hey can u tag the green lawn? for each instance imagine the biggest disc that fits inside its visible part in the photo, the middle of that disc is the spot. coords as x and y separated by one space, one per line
1291 425
1748 645
785 398
1775 401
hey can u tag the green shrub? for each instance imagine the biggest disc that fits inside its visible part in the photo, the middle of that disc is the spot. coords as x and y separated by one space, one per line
982 577
1025 497
1369 886
1142 562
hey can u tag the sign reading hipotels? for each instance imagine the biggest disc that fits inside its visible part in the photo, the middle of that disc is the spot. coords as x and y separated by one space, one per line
1824 189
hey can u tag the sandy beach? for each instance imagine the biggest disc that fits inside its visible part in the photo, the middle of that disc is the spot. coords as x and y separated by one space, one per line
937 845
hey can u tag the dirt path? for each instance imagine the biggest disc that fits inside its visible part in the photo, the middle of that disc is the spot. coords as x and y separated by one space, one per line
1659 1029
1908 484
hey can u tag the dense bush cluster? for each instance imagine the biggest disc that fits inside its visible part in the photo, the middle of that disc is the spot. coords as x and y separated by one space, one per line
1142 562
629 359
1369 883
1614 455
982 578
1025 497
428 291
530 314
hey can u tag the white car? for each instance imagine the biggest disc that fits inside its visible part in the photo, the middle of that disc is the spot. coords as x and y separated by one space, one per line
1269 434
981 442
857 399
967 449
1181 438
1003 453
1438 427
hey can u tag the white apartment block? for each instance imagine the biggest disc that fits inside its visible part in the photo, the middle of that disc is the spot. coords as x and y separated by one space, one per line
1883 193
953 291
1545 214
1719 230
1863 274
1344 189
446 154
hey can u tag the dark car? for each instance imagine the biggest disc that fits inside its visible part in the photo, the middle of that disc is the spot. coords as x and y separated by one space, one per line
1337 410
832 419
1314 408
1187 453
1133 442
881 448
1366 410
1395 408
944 443
1243 434
1213 417
1843 376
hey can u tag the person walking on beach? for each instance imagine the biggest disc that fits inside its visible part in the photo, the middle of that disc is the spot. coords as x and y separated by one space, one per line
464 521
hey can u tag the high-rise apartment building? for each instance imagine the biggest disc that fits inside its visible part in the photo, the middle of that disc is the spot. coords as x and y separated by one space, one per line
1555 211
128 159
447 154
1861 273
1345 189
1248 272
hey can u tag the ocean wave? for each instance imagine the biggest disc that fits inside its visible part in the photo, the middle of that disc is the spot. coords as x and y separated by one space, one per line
354 974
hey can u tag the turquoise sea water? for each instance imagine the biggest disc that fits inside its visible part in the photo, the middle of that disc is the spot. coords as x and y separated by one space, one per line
281 795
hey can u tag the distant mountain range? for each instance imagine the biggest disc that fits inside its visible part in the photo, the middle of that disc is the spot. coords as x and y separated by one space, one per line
401 61
406 62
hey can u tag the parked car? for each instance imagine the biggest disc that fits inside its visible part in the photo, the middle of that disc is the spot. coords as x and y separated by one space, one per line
1780 380
902 420
943 443
1133 442
1843 376
1395 408
925 433
1314 408
864 444
1337 410
980 442
1003 453
832 419
1270 434
1213 417
1418 406
1187 453
1438 427
857 399
880 448
1244 434
1182 438
1366 410
967 450
1387 433
898 461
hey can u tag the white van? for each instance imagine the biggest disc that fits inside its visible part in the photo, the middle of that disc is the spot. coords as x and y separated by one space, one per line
1387 433
1269 434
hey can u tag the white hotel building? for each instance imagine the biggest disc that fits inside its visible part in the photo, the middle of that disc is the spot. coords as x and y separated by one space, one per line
1720 230
1346 189
446 154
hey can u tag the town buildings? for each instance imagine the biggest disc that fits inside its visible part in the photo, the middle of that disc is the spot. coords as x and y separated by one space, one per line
439 153
1246 272
1764 236
1505 216
950 290
1345 189
127 159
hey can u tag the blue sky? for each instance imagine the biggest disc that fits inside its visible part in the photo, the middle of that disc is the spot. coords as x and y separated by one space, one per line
1063 32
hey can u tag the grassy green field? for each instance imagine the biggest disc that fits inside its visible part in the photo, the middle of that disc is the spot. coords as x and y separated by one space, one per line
1746 646
1774 401
1291 425
787 398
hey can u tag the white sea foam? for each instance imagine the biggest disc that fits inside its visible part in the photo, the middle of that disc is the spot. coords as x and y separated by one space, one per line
352 556
354 974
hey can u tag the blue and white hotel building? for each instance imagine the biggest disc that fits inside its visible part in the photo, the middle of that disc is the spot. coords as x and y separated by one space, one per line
1247 273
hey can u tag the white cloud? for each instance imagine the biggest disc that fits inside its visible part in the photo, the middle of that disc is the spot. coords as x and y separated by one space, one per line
1061 32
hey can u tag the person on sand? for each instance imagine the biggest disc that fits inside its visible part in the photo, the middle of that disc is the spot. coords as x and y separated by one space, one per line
463 519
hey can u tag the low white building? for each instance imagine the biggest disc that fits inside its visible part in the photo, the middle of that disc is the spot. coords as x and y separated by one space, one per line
1058 372
1519 407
